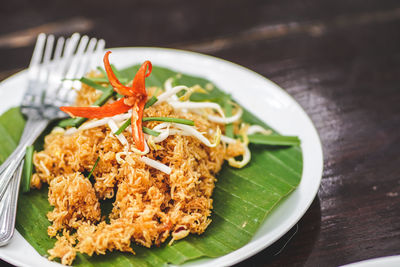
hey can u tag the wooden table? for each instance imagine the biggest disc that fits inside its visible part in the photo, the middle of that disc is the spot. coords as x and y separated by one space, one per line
339 59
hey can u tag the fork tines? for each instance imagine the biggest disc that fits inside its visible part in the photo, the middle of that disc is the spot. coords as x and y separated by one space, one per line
52 69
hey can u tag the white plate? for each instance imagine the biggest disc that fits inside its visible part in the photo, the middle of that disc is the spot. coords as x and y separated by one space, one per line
256 93
391 261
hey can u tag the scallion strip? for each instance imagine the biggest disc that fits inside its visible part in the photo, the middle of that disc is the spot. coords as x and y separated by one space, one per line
94 166
104 97
97 79
145 129
93 84
100 80
164 119
274 140
27 171
71 122
151 102
150 131
169 119
123 127
105 80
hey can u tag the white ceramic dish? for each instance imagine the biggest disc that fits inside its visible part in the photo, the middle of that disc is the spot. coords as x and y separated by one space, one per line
256 93
391 261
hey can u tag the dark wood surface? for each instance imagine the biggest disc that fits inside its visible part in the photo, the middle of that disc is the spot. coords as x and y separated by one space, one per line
339 59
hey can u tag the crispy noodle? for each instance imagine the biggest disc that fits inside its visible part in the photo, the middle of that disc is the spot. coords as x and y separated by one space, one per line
165 193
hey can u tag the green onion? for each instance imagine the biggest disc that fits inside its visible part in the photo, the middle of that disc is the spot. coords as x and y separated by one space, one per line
123 127
169 119
94 166
104 97
93 84
150 131
71 122
151 102
93 79
165 119
105 80
97 79
145 129
274 140
27 171
76 122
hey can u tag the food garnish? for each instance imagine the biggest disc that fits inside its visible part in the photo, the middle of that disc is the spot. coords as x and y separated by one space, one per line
135 98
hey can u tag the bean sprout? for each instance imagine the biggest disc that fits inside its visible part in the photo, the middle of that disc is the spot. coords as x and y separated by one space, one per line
169 93
197 105
156 164
226 120
240 164
113 126
258 129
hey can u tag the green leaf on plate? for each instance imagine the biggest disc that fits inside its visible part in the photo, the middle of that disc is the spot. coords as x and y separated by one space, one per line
242 197
12 125
27 170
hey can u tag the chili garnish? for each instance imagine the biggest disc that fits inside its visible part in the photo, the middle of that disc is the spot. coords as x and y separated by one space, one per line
134 98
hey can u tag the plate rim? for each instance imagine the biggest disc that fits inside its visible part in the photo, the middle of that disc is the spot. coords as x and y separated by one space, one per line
230 258
385 261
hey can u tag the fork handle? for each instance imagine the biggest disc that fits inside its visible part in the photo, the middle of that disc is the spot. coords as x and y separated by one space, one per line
8 205
33 128
8 208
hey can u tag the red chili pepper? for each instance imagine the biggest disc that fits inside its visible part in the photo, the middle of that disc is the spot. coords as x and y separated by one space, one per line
138 136
107 110
138 83
136 95
118 87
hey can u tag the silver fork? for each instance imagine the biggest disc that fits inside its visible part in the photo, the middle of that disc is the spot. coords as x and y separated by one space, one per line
8 207
47 91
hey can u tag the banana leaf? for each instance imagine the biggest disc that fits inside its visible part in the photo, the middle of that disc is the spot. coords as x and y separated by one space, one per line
242 197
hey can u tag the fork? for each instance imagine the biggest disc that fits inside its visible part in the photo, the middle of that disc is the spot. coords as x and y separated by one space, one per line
8 207
49 86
